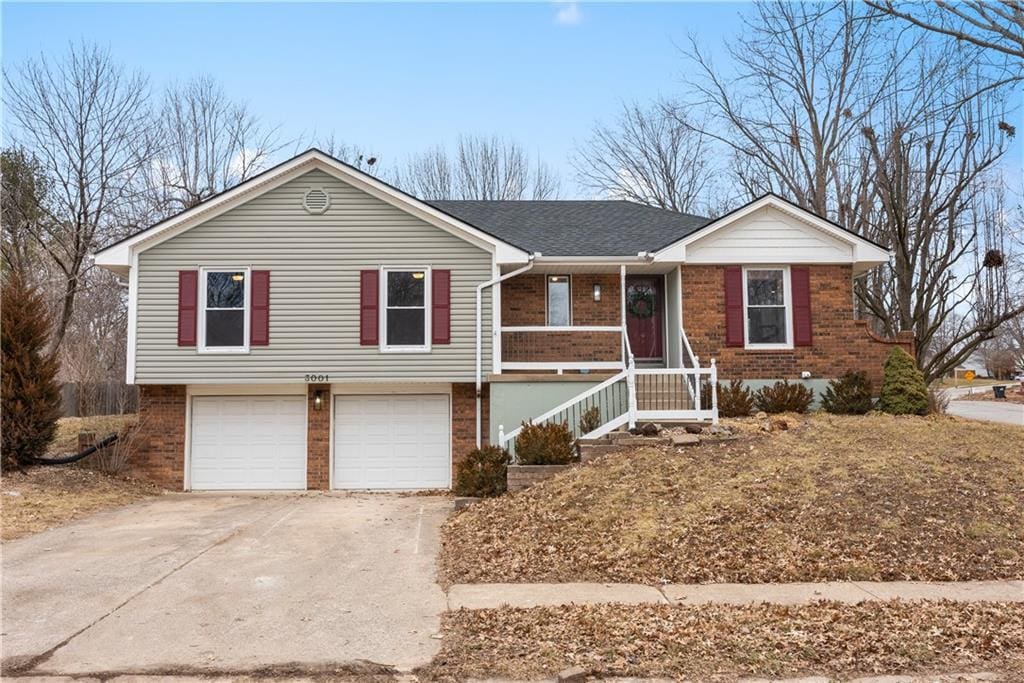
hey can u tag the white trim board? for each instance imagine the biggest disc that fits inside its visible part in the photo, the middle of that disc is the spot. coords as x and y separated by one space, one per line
118 256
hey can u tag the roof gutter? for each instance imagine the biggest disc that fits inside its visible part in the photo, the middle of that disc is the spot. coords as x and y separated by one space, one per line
479 331
641 257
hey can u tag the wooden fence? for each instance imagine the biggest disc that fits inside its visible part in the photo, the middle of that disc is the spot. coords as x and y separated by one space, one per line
82 399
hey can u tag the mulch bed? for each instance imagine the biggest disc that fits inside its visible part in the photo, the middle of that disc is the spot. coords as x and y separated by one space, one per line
726 643
833 498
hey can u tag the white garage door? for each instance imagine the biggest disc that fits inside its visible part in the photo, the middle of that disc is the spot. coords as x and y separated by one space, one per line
248 442
392 442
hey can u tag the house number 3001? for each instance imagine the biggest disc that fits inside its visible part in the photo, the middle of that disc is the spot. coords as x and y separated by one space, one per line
318 378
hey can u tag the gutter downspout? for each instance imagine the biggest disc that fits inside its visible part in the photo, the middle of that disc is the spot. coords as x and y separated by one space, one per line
479 331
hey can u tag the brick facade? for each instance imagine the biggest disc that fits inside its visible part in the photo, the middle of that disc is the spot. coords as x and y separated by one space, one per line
318 438
839 343
159 454
464 420
523 302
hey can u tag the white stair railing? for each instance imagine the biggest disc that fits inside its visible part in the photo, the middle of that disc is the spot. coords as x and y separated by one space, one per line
615 401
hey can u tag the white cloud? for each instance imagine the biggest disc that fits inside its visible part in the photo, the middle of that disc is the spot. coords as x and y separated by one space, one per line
568 14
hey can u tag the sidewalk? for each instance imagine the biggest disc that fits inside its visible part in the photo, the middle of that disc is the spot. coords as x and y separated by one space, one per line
487 595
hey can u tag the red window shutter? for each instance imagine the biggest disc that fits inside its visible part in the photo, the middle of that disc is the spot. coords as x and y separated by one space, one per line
734 306
801 282
259 308
369 292
188 299
441 307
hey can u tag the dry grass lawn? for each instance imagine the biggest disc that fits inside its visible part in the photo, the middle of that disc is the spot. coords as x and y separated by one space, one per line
725 643
863 498
68 428
46 497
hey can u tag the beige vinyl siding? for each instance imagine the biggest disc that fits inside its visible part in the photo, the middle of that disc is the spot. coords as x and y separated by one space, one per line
314 263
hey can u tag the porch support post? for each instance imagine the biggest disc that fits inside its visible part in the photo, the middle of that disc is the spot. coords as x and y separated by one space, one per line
622 303
714 392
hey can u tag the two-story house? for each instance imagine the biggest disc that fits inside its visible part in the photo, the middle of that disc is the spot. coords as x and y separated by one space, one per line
314 327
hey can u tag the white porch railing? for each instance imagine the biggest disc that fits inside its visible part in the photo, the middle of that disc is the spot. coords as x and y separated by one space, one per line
560 366
635 394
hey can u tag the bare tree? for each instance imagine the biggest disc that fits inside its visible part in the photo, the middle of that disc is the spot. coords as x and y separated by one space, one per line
481 168
653 155
802 84
996 25
936 201
353 155
87 121
865 124
96 337
209 143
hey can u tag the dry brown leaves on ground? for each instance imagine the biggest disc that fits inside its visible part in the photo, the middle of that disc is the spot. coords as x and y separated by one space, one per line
724 643
45 497
864 498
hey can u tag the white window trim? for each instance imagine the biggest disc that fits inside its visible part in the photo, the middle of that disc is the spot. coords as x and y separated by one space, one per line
428 290
201 347
787 299
547 312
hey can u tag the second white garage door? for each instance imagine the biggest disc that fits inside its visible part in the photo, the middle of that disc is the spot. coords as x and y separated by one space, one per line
392 442
248 442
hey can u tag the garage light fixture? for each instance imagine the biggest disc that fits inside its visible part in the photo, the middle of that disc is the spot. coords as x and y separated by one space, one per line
318 399
597 292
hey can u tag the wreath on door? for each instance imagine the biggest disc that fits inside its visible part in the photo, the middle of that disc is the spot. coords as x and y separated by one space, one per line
641 302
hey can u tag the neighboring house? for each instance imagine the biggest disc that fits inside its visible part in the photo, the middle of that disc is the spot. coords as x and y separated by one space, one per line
317 328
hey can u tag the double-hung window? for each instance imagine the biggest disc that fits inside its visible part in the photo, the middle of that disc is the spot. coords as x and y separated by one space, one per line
224 318
767 303
558 301
406 320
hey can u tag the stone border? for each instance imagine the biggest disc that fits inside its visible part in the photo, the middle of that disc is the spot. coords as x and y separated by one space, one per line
520 477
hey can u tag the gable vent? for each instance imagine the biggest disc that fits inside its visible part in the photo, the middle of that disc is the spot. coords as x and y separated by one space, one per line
316 201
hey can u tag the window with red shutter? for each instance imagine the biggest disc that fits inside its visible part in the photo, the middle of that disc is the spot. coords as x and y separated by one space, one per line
734 306
188 298
259 309
768 316
369 292
441 307
801 283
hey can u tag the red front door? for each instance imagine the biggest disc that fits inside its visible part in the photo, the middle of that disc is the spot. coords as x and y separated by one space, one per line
644 310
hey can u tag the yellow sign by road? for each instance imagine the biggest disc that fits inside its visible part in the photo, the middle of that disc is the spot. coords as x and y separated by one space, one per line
969 375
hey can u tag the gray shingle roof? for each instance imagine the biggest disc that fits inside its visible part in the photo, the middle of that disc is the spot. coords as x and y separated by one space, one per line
575 227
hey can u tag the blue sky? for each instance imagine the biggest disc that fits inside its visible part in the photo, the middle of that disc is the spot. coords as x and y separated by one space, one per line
399 78
395 79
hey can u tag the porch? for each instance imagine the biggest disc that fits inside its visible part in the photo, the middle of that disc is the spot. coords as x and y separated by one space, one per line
605 341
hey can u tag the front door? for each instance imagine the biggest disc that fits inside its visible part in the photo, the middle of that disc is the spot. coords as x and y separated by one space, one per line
644 311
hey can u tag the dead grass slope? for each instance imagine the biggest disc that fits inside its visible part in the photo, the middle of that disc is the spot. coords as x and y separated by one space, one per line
870 498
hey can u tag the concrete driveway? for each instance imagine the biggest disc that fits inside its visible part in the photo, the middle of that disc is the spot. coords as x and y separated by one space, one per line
989 411
229 585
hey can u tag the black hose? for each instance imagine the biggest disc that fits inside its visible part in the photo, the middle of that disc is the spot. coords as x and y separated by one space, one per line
77 456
